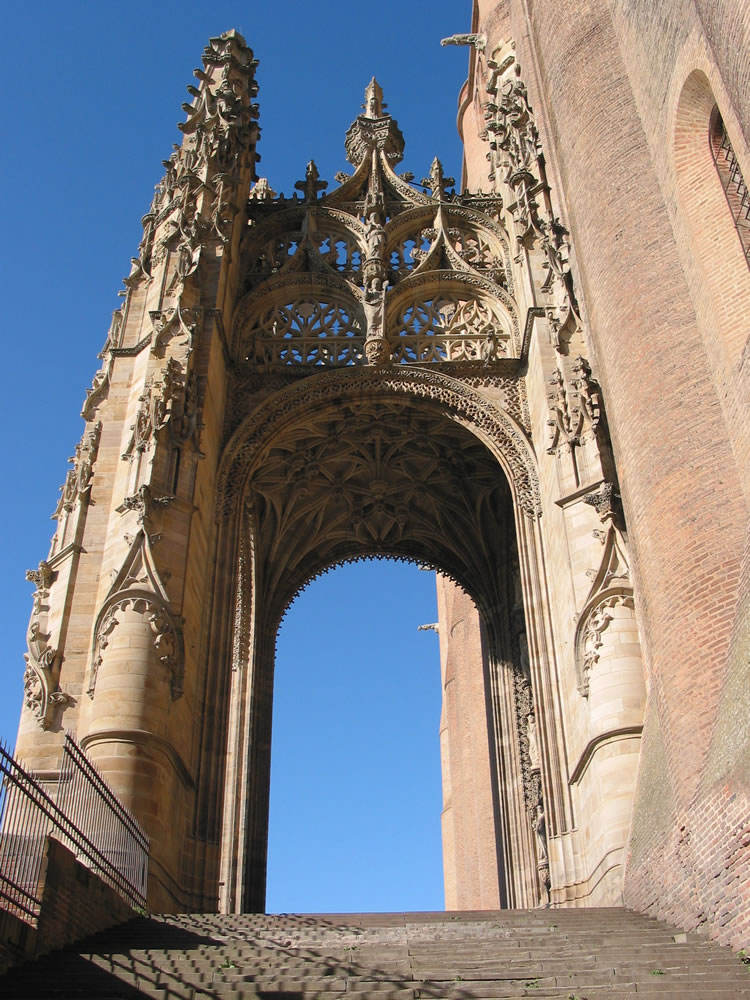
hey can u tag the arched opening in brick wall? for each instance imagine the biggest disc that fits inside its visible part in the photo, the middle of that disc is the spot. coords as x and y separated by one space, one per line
721 282
355 819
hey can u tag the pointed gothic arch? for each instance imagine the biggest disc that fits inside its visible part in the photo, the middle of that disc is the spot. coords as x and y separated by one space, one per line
398 463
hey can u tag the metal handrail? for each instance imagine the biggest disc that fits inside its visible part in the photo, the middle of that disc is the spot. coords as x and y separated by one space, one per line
730 174
87 816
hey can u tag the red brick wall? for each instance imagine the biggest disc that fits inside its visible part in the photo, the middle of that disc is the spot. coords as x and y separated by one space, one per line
605 79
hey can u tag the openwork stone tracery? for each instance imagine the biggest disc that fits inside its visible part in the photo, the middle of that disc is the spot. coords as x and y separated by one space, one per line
325 275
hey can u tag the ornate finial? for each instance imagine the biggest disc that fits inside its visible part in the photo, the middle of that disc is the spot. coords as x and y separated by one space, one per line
478 41
374 130
374 106
262 191
437 182
311 184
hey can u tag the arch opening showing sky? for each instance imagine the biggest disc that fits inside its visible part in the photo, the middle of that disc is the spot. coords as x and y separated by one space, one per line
355 761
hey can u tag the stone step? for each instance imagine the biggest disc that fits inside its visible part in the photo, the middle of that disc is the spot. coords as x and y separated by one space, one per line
588 955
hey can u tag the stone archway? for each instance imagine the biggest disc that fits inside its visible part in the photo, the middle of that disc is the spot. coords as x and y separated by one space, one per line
410 464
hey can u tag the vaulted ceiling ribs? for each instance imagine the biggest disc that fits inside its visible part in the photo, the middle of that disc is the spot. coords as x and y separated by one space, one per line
379 478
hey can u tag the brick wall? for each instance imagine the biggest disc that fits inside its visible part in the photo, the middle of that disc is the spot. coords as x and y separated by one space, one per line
75 904
605 78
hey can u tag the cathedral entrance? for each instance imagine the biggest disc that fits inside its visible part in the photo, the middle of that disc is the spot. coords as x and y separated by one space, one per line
360 464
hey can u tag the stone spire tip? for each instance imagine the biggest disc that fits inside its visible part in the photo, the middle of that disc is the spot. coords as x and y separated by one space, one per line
374 106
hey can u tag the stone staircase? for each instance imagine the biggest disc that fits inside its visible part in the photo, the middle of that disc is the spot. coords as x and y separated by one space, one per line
596 954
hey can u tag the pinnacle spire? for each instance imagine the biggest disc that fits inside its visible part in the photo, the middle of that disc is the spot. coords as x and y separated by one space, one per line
374 106
374 129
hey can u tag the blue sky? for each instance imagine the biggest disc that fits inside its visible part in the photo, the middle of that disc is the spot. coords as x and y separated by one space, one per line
91 101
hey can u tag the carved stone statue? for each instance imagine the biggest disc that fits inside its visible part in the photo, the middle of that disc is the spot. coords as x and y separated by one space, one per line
539 826
534 759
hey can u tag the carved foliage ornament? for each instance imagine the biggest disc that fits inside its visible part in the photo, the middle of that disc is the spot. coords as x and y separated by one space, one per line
77 483
42 694
139 589
611 588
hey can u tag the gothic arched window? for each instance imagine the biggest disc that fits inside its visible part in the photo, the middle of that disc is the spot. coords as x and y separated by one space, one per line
732 181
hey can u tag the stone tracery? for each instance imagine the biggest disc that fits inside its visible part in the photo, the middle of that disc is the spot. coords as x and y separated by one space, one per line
375 232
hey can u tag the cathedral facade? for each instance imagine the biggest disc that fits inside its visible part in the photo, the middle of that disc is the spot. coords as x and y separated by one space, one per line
533 380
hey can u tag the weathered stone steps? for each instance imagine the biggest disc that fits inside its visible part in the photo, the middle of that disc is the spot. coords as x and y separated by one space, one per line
602 954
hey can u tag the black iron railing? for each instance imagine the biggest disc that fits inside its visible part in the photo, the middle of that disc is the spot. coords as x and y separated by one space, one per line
85 815
733 182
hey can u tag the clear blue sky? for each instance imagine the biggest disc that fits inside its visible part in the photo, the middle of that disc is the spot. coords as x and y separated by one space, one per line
90 105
